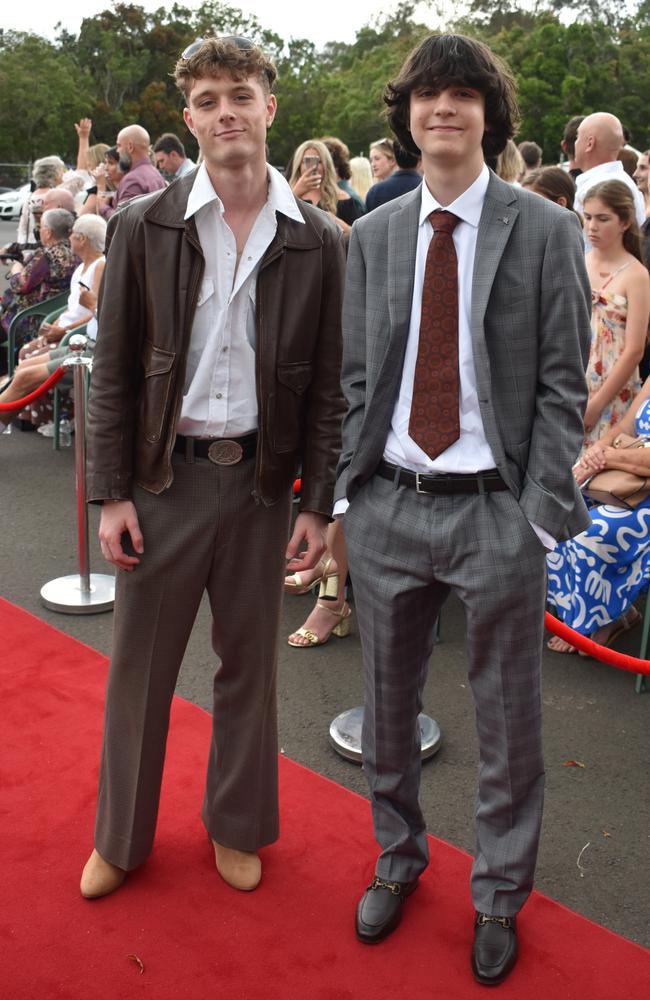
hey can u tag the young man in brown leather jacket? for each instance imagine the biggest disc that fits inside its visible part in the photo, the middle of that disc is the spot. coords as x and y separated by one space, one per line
216 372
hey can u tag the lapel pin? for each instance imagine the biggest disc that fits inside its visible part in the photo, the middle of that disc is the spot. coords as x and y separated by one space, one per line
504 219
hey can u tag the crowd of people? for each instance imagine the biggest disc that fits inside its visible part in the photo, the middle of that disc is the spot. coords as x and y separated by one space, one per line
425 415
602 179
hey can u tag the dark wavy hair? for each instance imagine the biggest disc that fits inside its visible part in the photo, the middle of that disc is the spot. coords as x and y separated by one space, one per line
446 60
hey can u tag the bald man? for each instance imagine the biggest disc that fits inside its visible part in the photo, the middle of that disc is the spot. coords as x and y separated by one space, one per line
598 143
59 198
141 175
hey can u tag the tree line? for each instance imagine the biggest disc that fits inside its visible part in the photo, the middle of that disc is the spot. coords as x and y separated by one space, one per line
568 57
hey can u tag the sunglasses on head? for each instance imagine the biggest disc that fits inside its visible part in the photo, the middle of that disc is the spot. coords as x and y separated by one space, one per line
238 40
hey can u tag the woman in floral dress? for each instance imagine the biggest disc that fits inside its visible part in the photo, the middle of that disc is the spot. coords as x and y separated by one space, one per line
620 306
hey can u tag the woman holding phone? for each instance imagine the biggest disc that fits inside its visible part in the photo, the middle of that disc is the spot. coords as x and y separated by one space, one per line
313 178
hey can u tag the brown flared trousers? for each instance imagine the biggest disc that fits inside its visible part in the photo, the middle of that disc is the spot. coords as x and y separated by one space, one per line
204 533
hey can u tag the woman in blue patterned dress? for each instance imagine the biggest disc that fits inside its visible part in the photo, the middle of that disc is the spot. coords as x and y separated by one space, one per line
594 578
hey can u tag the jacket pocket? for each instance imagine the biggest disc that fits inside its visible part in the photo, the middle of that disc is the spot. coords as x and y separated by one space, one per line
293 378
158 365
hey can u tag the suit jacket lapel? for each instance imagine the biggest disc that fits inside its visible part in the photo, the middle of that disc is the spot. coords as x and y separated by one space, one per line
402 247
496 224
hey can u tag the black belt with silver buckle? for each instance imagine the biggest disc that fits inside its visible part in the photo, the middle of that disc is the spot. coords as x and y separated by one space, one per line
446 484
220 451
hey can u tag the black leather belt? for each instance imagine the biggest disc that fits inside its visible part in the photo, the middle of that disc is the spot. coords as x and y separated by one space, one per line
445 484
220 451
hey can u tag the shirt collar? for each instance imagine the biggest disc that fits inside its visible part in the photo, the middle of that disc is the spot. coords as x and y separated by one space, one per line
467 206
280 197
611 167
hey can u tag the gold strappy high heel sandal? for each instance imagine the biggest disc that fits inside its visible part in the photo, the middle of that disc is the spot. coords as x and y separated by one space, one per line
328 591
295 584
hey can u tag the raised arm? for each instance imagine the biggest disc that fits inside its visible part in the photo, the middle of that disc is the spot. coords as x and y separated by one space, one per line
82 129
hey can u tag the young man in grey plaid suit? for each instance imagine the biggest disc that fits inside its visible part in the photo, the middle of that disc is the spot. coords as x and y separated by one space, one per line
466 336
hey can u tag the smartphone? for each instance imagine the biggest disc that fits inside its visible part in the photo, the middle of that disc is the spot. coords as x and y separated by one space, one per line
311 162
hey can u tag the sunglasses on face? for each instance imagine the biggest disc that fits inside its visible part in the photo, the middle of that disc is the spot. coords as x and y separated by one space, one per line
238 40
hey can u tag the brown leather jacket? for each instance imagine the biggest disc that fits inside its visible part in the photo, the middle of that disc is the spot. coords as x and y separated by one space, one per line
149 293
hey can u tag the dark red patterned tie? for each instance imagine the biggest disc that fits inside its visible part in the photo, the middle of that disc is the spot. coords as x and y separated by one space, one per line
434 423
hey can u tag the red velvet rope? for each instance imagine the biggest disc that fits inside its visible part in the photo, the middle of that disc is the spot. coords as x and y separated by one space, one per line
20 404
602 653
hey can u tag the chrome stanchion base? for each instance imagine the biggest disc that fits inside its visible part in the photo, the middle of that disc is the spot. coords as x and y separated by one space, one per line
345 734
65 594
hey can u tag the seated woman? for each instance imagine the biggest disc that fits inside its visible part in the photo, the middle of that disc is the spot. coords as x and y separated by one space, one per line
87 240
594 578
313 178
47 272
47 173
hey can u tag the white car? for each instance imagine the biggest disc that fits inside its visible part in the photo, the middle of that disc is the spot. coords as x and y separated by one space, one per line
11 203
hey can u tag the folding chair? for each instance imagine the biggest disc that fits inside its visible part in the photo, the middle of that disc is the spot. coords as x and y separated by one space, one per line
42 309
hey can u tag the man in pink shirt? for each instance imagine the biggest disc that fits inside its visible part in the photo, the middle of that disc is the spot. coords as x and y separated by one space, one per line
141 177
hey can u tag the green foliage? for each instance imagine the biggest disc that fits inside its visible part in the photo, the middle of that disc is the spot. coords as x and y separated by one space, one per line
565 70
36 105
596 56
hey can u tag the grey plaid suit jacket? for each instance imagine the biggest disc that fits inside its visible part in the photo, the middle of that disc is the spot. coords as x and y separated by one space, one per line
531 305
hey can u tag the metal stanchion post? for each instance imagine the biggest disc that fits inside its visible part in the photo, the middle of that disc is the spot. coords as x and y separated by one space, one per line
345 734
85 593
345 730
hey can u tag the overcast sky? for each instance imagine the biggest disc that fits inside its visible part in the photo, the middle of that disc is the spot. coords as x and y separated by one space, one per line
332 20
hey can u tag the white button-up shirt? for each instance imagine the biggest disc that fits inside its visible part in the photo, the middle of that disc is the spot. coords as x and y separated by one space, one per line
471 452
219 395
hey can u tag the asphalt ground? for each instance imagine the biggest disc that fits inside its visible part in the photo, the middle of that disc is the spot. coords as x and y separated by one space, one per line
592 715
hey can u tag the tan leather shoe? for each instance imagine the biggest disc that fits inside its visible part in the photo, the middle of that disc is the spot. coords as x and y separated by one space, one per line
240 869
100 877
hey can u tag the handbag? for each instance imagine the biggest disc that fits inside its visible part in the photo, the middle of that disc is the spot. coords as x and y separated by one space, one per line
616 487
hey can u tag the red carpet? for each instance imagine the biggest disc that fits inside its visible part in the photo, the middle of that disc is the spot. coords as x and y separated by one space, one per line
291 940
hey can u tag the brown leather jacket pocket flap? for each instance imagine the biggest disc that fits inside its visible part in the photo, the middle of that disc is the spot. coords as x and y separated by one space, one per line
155 360
296 375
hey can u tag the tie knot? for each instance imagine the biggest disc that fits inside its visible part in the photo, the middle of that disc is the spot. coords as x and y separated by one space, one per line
443 222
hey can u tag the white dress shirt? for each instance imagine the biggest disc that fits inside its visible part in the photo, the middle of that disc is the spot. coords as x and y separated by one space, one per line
613 171
184 168
219 395
471 452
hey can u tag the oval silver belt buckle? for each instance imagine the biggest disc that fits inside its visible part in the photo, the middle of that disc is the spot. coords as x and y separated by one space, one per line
225 452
